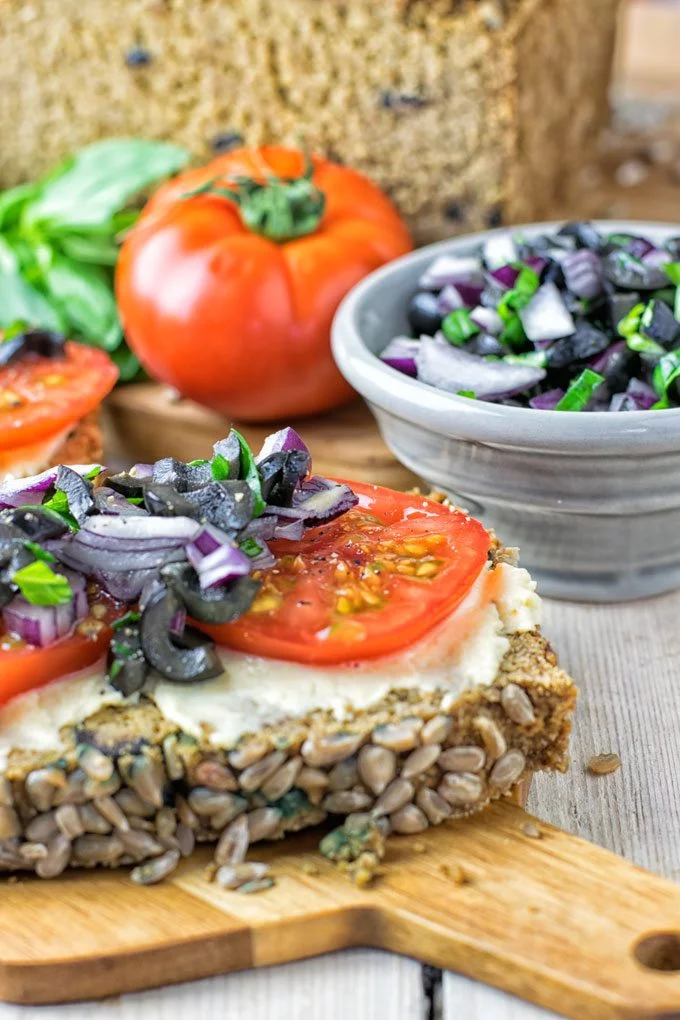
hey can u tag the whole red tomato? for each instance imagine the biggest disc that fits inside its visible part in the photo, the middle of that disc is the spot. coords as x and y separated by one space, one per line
228 284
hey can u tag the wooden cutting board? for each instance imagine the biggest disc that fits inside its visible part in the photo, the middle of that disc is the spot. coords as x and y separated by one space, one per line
143 423
555 920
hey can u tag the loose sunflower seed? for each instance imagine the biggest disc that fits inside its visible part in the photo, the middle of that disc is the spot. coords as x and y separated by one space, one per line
346 802
204 801
111 810
433 805
95 849
232 846
282 781
377 767
604 764
94 788
166 823
69 821
233 876
314 783
186 840
436 730
263 823
156 870
402 736
140 844
94 764
42 786
255 887
144 824
173 762
395 796
57 859
10 825
147 778
507 769
74 791
214 775
493 739
6 798
33 851
254 776
408 820
420 760
93 821
10 858
185 814
344 775
461 788
517 705
249 752
40 829
462 759
132 804
330 748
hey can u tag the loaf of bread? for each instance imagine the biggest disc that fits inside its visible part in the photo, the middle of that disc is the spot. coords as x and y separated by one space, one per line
470 113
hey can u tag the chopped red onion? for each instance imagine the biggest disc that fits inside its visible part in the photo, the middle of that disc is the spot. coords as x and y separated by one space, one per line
452 269
536 262
280 442
642 393
505 275
215 558
22 491
449 299
583 273
623 402
400 353
488 320
499 250
452 369
43 625
546 317
602 362
547 401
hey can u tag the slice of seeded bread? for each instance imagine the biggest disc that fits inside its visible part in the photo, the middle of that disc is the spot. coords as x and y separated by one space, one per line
127 787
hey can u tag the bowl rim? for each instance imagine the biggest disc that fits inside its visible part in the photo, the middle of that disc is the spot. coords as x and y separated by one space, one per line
451 415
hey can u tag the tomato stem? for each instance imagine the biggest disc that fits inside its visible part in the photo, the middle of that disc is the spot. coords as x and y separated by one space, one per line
279 208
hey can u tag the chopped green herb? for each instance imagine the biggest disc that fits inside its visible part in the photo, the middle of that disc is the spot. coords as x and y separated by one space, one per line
666 374
40 586
250 474
123 621
672 271
197 463
58 504
580 391
94 473
250 547
538 359
643 345
135 500
219 466
39 552
458 327
513 335
121 649
630 323
467 393
115 669
676 304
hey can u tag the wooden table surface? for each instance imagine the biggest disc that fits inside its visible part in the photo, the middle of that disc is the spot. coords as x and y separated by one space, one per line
625 659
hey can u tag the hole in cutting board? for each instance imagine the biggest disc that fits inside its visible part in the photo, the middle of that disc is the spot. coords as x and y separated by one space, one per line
659 952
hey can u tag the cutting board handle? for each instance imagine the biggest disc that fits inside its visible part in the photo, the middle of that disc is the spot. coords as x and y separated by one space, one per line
553 919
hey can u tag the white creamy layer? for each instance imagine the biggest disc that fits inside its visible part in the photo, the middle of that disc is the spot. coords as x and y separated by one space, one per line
31 460
254 691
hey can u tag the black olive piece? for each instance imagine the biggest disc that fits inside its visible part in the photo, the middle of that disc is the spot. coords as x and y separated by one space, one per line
553 274
666 294
484 344
423 312
628 273
191 638
492 294
658 323
454 211
126 484
621 366
584 343
181 665
230 449
128 668
583 232
221 604
78 492
37 523
280 473
184 477
620 305
13 556
138 56
164 500
672 246
42 342
228 505
108 501
494 217
225 141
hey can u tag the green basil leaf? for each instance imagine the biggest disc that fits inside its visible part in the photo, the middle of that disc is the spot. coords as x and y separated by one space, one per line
59 505
9 259
126 362
512 334
40 586
219 467
39 552
123 621
250 474
580 391
666 374
466 393
94 249
85 295
102 178
19 300
458 327
672 271
14 200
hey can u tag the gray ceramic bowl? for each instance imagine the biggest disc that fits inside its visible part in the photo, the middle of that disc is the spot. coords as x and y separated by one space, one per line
592 499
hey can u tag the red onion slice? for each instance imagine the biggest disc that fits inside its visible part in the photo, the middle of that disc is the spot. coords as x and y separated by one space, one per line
451 369
23 491
546 317
280 442
215 558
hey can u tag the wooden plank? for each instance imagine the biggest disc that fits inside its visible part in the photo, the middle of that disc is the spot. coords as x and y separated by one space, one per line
361 983
624 658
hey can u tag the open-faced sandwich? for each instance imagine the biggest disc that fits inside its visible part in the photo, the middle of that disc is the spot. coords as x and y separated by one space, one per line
234 648
50 392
